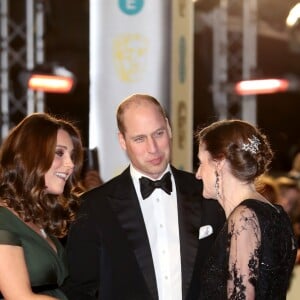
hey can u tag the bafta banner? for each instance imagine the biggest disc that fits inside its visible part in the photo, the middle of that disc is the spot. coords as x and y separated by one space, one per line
182 83
129 53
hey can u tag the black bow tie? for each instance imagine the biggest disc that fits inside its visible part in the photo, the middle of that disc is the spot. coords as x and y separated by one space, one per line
148 185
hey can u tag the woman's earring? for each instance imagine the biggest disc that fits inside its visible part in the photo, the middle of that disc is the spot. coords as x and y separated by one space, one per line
217 185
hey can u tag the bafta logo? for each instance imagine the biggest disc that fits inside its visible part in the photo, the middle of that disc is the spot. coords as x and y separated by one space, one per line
130 56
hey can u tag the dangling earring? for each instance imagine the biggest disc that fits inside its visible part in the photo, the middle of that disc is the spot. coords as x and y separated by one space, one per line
217 185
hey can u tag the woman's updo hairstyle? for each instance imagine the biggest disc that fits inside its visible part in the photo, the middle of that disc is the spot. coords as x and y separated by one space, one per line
245 148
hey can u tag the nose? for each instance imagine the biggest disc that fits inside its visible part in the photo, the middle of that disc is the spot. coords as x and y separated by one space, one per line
69 162
152 146
198 176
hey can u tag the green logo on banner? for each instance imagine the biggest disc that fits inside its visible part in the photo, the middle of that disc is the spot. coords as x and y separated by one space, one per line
131 7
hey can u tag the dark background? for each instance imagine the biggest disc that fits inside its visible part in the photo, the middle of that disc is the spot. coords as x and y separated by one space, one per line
67 42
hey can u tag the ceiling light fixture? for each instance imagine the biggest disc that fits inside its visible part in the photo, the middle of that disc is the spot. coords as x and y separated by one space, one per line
261 86
294 16
54 79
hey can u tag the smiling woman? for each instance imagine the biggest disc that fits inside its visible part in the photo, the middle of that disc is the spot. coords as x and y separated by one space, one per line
40 163
233 154
62 165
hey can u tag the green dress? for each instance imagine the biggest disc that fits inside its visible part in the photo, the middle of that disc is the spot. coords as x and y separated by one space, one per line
47 269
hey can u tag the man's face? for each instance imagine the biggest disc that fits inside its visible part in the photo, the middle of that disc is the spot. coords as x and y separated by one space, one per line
147 139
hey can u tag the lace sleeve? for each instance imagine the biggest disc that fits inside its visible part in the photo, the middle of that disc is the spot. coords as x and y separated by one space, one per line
244 239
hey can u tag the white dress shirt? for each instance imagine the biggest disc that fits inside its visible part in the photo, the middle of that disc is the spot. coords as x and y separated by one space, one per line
161 220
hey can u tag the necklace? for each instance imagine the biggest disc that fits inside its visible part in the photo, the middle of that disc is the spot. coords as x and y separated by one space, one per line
43 233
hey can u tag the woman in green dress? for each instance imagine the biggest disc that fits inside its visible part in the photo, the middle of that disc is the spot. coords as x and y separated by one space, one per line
40 164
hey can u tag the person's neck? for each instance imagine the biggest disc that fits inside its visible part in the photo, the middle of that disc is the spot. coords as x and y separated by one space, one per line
236 192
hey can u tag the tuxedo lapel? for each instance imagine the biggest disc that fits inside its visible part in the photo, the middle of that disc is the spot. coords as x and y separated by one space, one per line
189 218
126 206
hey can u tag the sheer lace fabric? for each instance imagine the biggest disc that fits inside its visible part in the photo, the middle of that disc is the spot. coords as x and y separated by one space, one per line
253 256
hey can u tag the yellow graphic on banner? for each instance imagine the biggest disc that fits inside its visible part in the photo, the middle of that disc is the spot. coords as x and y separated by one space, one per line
130 56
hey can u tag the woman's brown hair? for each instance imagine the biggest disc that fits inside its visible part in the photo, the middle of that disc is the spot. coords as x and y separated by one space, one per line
25 156
246 149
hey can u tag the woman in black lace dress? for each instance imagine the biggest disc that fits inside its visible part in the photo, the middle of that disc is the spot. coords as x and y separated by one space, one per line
254 254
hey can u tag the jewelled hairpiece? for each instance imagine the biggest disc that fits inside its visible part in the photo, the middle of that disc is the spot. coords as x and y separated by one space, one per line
252 146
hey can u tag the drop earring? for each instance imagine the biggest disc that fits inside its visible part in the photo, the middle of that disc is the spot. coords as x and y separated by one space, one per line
217 185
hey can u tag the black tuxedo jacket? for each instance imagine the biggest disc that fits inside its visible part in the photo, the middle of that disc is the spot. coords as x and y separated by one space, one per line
108 251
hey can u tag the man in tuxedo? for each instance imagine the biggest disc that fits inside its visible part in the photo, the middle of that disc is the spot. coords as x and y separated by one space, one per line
144 234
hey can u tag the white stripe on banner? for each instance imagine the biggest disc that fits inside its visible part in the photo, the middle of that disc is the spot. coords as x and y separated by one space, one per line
129 43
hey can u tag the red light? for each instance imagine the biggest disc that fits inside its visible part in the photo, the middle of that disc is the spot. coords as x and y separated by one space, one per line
261 86
50 83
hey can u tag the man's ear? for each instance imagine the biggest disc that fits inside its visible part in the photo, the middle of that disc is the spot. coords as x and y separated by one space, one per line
122 140
169 128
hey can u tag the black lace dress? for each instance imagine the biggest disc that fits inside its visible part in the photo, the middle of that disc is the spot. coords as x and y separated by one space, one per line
253 256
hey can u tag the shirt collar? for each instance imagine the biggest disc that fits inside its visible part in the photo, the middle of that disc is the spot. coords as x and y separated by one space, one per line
137 174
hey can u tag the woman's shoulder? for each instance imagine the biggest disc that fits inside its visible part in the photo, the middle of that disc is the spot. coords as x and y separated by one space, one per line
6 214
259 206
8 227
9 220
264 213
245 207
264 209
243 213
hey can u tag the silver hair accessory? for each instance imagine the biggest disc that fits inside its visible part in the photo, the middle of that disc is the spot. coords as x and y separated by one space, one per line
252 146
217 185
